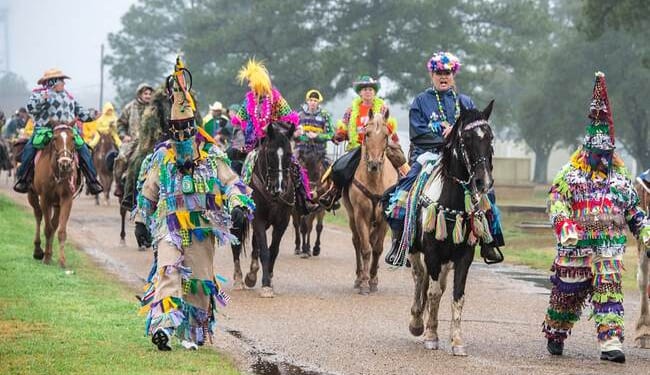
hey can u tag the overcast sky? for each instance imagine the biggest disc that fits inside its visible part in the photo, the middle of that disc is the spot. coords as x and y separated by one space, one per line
66 34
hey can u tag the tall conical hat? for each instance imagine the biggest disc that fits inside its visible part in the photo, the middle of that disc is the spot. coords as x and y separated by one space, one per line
600 132
178 86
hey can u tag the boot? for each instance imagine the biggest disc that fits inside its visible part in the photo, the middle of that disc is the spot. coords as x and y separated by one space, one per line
555 347
91 176
491 254
24 180
393 257
613 355
330 197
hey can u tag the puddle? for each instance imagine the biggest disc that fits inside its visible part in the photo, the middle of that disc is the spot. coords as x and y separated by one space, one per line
538 280
267 363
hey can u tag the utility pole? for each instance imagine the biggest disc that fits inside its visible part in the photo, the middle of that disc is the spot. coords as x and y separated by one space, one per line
101 80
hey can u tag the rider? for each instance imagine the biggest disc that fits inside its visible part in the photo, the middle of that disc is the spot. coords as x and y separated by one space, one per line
187 198
263 106
16 124
237 142
431 117
591 200
352 128
315 126
52 105
215 123
128 127
105 124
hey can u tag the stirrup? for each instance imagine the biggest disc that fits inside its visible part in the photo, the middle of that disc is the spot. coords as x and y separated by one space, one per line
499 259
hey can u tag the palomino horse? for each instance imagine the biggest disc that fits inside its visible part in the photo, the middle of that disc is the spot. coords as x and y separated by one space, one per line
105 146
273 184
642 338
465 167
362 203
311 158
55 182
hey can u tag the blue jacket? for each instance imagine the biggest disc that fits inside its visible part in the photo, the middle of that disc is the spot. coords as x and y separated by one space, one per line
425 121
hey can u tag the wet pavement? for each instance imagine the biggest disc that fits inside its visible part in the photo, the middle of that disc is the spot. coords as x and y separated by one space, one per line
317 324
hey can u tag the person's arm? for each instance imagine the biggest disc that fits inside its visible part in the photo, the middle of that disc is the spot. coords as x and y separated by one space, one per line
237 193
419 127
328 132
283 111
123 121
560 210
83 114
38 102
342 127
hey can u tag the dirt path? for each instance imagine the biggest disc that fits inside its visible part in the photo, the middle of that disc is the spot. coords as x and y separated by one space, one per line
317 321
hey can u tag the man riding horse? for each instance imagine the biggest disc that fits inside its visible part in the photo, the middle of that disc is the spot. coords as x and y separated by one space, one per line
52 105
352 129
263 106
315 126
187 198
431 117
591 201
105 124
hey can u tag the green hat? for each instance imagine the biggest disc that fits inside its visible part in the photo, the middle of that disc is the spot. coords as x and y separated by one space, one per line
234 107
366 81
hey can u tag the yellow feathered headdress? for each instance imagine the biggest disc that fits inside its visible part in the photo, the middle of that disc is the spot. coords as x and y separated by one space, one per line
255 72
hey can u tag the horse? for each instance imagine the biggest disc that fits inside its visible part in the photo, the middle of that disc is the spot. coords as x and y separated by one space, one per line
273 183
56 180
465 168
6 163
362 201
642 338
105 146
311 157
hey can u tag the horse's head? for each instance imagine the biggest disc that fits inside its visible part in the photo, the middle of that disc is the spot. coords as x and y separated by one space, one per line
64 149
375 140
470 145
274 159
311 156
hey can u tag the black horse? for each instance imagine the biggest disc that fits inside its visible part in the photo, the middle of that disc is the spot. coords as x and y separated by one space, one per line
273 182
465 171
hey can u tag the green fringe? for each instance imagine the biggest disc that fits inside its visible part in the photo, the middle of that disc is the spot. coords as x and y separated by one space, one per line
606 297
602 240
441 226
562 316
607 319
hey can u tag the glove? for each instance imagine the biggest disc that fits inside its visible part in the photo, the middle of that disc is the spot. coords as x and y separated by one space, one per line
142 235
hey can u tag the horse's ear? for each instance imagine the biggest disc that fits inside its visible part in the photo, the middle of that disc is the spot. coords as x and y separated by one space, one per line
488 110
270 131
371 114
386 114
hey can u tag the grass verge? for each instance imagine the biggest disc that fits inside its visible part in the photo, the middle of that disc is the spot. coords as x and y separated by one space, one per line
85 323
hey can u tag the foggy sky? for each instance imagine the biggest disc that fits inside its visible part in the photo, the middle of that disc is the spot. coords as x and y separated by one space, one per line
66 34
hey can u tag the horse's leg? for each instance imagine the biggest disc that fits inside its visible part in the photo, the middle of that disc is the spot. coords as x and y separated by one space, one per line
421 281
251 277
238 230
642 338
437 286
49 231
63 216
38 216
265 258
295 219
319 229
274 248
365 252
122 223
305 229
461 270
377 243
357 253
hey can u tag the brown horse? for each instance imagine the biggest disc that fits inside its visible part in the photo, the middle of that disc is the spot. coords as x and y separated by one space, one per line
362 202
55 182
642 338
105 146
311 157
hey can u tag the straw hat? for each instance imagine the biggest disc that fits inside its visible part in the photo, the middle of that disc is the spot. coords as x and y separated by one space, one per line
51 74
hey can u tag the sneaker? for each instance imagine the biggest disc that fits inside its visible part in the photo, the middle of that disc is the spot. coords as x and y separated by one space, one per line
189 345
613 355
555 347
161 338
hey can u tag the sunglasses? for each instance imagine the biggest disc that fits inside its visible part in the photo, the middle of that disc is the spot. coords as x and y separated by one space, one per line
442 72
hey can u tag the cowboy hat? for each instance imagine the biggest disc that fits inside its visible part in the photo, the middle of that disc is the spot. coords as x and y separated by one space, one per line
365 81
51 74
216 106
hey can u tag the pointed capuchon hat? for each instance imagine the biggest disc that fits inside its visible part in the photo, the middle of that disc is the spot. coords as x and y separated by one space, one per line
179 84
600 132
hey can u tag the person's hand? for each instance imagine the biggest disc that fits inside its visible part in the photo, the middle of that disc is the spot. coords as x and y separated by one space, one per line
127 138
46 94
298 132
312 135
446 129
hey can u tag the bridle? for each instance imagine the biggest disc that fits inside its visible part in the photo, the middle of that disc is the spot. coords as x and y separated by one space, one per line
286 197
64 155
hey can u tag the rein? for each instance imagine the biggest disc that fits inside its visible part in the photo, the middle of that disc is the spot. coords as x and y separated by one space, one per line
264 185
374 198
64 155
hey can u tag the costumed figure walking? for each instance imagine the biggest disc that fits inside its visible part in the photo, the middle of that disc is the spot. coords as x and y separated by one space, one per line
128 127
187 198
352 129
590 203
52 105
263 106
431 118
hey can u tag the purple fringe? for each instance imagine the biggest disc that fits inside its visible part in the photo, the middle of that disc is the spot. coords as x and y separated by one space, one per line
569 288
608 307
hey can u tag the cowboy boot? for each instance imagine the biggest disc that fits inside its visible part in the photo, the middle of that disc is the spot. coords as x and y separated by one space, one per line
26 169
392 256
88 170
331 196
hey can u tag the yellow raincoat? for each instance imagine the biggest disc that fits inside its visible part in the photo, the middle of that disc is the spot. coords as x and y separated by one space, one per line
104 124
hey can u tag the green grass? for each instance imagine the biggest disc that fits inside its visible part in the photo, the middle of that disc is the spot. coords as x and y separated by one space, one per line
85 323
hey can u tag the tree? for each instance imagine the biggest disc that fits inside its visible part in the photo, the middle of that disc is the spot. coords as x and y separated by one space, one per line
13 93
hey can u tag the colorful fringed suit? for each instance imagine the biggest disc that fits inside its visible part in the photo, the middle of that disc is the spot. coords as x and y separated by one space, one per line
589 211
187 214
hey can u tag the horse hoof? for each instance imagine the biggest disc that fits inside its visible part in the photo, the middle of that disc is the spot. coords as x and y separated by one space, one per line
297 252
364 290
374 288
305 255
38 254
122 242
62 264
416 330
267 292
238 285
316 252
250 280
459 350
642 342
142 248
431 344
47 260
357 284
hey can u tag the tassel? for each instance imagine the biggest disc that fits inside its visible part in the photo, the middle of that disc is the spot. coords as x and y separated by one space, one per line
487 236
468 201
485 203
471 238
477 227
429 224
441 226
458 234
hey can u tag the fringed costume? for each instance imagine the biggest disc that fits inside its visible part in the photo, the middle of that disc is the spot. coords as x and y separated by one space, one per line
590 203
187 196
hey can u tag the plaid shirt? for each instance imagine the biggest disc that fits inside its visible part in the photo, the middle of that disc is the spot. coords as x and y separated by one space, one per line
58 107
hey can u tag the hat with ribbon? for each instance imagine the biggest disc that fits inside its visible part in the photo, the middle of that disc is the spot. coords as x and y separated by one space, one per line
366 81
52 74
600 132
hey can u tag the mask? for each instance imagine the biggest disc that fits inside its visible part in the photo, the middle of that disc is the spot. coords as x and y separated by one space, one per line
600 160
184 153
